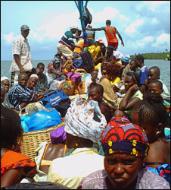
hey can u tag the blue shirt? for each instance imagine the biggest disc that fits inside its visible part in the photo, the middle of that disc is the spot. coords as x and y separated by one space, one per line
143 74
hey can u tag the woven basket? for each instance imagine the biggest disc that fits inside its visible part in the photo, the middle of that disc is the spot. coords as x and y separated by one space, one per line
31 140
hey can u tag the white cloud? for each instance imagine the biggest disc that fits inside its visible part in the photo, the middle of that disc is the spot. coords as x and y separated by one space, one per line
107 13
54 25
153 5
146 41
162 39
132 28
9 38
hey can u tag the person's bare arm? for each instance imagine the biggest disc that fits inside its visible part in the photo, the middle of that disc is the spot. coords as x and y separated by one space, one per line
95 29
120 37
11 177
17 60
126 102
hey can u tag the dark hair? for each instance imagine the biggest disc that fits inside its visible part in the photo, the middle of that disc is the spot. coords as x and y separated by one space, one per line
140 58
33 71
157 69
11 129
96 86
133 75
156 82
108 22
151 110
23 73
40 64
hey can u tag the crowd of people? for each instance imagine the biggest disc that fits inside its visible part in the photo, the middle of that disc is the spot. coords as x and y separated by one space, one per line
114 123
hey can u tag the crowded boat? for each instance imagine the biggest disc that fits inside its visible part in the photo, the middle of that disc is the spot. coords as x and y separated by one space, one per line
93 118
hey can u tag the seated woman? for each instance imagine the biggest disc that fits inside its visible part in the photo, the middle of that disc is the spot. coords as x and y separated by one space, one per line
150 114
83 125
132 95
19 93
123 162
14 165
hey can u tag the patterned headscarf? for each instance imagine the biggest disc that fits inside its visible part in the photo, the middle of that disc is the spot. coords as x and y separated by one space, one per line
121 135
84 119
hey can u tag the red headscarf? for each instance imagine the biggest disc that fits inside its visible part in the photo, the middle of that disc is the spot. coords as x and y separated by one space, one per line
121 135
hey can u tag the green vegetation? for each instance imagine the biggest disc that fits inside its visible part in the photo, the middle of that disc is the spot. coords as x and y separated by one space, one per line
162 55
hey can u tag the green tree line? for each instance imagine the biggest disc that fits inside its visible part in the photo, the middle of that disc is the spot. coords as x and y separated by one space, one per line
162 55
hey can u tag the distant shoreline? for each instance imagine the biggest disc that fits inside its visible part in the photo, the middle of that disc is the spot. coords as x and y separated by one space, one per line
162 55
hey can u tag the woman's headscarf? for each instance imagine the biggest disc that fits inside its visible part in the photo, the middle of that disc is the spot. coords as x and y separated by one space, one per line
121 135
84 119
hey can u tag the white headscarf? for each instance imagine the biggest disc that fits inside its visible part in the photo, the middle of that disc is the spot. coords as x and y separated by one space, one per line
4 78
34 76
84 119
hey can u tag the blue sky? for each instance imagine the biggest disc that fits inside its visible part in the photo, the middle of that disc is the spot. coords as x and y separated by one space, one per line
143 25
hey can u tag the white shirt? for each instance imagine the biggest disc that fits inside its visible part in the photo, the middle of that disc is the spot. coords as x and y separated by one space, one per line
165 95
21 47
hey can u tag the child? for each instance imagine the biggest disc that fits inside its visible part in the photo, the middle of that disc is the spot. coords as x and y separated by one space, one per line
95 92
154 74
150 114
156 87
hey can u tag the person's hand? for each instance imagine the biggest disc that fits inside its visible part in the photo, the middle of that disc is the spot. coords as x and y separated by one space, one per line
40 95
133 88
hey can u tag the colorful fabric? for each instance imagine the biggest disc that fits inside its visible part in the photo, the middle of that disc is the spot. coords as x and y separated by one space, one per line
84 119
79 46
18 94
14 160
143 74
162 170
146 180
110 33
116 81
94 50
124 136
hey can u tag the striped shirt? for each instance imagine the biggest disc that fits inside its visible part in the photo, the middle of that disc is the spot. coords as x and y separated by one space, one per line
18 94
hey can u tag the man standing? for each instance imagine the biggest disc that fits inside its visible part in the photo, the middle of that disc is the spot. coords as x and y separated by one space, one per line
21 55
111 33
